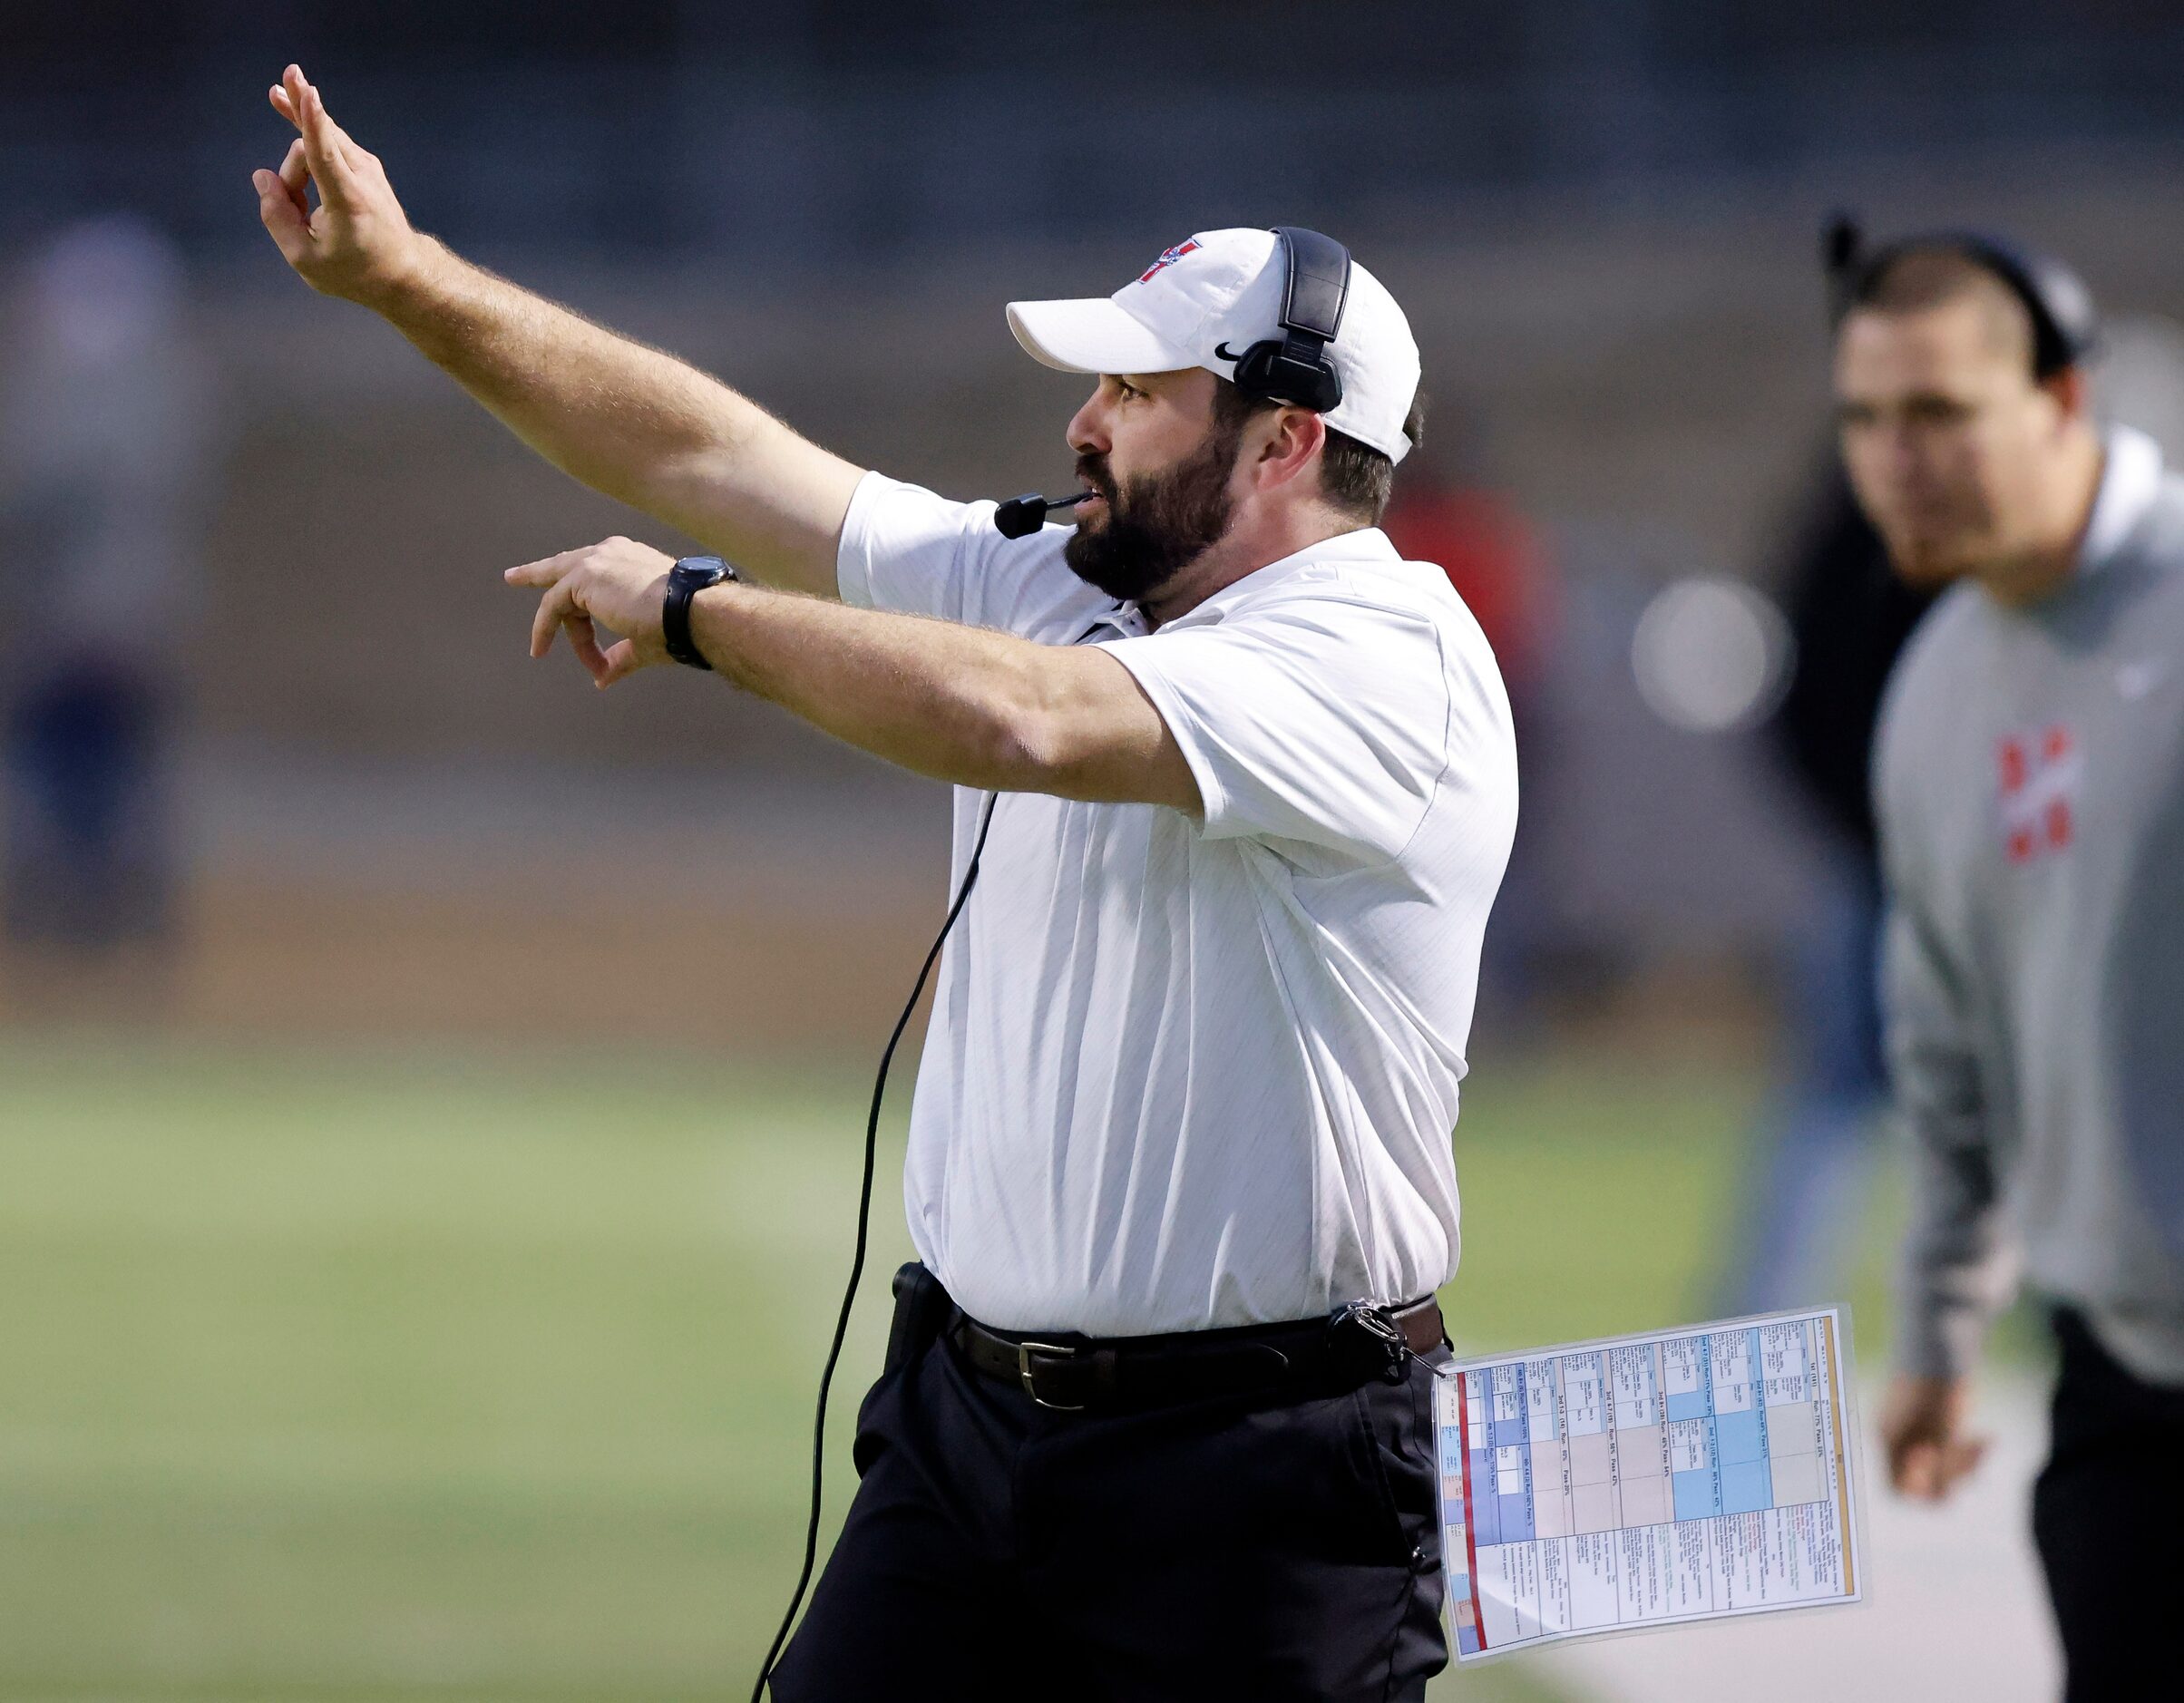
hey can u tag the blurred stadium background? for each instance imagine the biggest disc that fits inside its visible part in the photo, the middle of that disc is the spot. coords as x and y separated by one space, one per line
418 1235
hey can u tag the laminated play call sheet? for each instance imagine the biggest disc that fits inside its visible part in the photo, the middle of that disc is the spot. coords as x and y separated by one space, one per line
1645 1481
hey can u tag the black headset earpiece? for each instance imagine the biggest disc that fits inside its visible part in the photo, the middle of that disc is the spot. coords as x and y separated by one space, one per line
2066 328
1295 367
1842 263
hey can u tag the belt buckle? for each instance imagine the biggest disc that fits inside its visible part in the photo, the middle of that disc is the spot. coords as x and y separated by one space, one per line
1027 1374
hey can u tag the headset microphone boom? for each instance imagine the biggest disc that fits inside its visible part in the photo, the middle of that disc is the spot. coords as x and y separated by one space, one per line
1019 517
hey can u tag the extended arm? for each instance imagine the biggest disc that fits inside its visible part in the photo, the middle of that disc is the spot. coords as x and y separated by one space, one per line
632 422
961 704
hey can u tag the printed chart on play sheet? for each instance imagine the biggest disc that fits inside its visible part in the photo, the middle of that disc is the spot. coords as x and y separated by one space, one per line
1646 1481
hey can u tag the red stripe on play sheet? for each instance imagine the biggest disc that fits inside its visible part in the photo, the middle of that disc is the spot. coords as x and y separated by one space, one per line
1463 1432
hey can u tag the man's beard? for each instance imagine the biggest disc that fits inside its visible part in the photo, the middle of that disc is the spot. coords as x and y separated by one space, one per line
1157 524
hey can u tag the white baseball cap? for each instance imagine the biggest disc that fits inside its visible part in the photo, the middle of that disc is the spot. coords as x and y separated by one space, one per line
1225 288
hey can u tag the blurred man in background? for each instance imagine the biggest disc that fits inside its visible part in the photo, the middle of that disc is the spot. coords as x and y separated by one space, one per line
106 441
1814 1148
2030 794
105 446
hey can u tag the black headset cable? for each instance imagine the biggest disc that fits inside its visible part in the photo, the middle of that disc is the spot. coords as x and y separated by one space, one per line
856 1267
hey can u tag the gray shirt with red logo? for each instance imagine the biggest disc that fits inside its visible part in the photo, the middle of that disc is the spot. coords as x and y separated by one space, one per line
2029 778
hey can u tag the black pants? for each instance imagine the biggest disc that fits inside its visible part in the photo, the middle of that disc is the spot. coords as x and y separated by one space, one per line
2105 1512
1210 1550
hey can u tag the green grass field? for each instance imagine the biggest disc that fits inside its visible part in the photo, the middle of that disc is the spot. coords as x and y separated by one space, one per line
398 1377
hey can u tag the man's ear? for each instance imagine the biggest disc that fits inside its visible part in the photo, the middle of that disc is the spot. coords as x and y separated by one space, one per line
2073 394
1294 438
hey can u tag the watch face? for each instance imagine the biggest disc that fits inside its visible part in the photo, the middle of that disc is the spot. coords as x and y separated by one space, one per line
700 571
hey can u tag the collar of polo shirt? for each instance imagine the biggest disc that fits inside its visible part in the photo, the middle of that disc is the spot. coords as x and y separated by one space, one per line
1126 619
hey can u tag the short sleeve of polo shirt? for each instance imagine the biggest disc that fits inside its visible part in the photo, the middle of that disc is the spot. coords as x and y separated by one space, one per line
906 550
1316 717
912 552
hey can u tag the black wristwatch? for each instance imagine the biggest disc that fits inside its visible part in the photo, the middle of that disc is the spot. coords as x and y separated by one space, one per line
686 579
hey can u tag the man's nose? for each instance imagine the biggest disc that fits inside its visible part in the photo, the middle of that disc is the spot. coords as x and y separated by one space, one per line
1906 451
1087 432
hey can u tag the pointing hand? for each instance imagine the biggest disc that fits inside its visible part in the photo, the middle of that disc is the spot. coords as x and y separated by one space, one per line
620 585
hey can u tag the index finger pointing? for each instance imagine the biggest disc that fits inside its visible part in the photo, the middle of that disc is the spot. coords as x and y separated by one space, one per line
545 572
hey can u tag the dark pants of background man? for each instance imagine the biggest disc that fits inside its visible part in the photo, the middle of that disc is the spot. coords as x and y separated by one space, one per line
89 859
2105 1511
1232 1548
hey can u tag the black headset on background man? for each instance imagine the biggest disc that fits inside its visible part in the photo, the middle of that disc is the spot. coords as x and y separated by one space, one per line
2066 329
1293 367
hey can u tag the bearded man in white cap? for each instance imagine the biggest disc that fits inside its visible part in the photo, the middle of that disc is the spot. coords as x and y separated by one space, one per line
1155 1419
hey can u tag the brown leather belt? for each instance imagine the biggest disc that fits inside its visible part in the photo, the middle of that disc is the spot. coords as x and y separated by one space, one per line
1072 1374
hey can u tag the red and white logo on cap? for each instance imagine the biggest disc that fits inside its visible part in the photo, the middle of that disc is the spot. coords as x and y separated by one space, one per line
1168 257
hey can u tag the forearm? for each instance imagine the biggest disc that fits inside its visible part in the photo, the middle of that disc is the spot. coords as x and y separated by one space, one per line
630 421
1957 1267
956 703
961 704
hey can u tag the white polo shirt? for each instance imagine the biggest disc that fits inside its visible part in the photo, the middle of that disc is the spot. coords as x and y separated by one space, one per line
1187 1074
